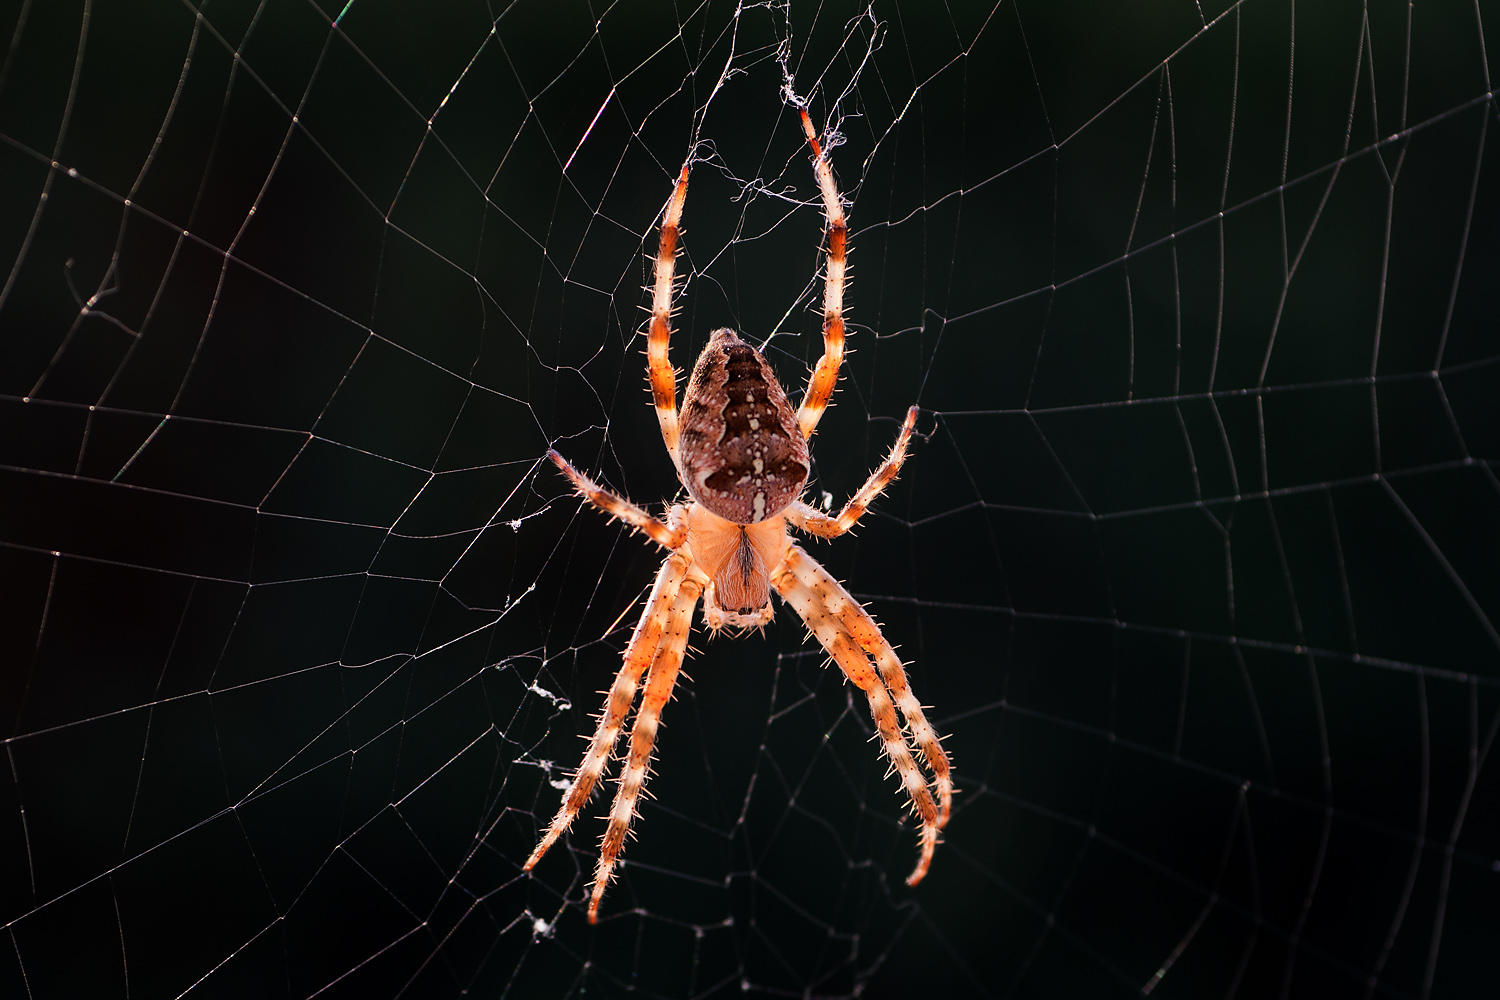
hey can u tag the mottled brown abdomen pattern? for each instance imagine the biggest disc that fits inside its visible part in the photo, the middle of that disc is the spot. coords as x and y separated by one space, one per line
743 456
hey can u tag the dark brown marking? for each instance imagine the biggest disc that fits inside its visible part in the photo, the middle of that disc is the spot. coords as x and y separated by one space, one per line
743 455
747 563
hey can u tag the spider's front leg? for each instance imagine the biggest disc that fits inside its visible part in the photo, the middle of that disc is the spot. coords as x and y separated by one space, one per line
659 682
825 623
856 621
639 654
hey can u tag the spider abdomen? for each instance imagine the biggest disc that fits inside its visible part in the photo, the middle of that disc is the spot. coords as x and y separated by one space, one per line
741 452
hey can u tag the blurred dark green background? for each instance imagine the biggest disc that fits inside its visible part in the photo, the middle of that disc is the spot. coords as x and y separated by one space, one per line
1195 557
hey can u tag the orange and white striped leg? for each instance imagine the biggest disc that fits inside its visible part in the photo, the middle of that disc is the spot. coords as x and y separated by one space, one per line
639 654
668 536
858 623
659 683
659 370
826 374
815 523
830 632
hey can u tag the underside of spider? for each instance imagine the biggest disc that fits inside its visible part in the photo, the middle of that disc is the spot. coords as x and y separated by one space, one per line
741 452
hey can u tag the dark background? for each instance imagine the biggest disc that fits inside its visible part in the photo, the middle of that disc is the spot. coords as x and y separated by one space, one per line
1195 557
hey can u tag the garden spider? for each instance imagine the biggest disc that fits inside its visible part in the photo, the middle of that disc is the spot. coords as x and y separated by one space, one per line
742 454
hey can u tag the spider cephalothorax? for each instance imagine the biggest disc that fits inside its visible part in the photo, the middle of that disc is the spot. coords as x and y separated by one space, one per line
741 452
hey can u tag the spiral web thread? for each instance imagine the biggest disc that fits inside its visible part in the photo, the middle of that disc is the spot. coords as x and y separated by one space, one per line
1194 559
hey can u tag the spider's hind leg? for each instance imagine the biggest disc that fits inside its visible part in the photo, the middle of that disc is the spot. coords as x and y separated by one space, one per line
820 384
659 370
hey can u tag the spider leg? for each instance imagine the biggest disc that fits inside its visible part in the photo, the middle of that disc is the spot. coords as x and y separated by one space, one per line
816 523
642 649
858 623
820 384
668 537
835 638
659 370
659 683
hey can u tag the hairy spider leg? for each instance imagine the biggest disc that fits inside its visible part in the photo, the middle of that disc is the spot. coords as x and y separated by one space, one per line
659 370
816 523
851 659
820 384
659 642
858 623
639 654
659 682
668 536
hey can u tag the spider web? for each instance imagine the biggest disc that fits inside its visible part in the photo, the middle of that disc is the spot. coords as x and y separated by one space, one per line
1195 557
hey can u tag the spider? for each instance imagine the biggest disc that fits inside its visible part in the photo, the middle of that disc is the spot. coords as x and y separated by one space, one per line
741 452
